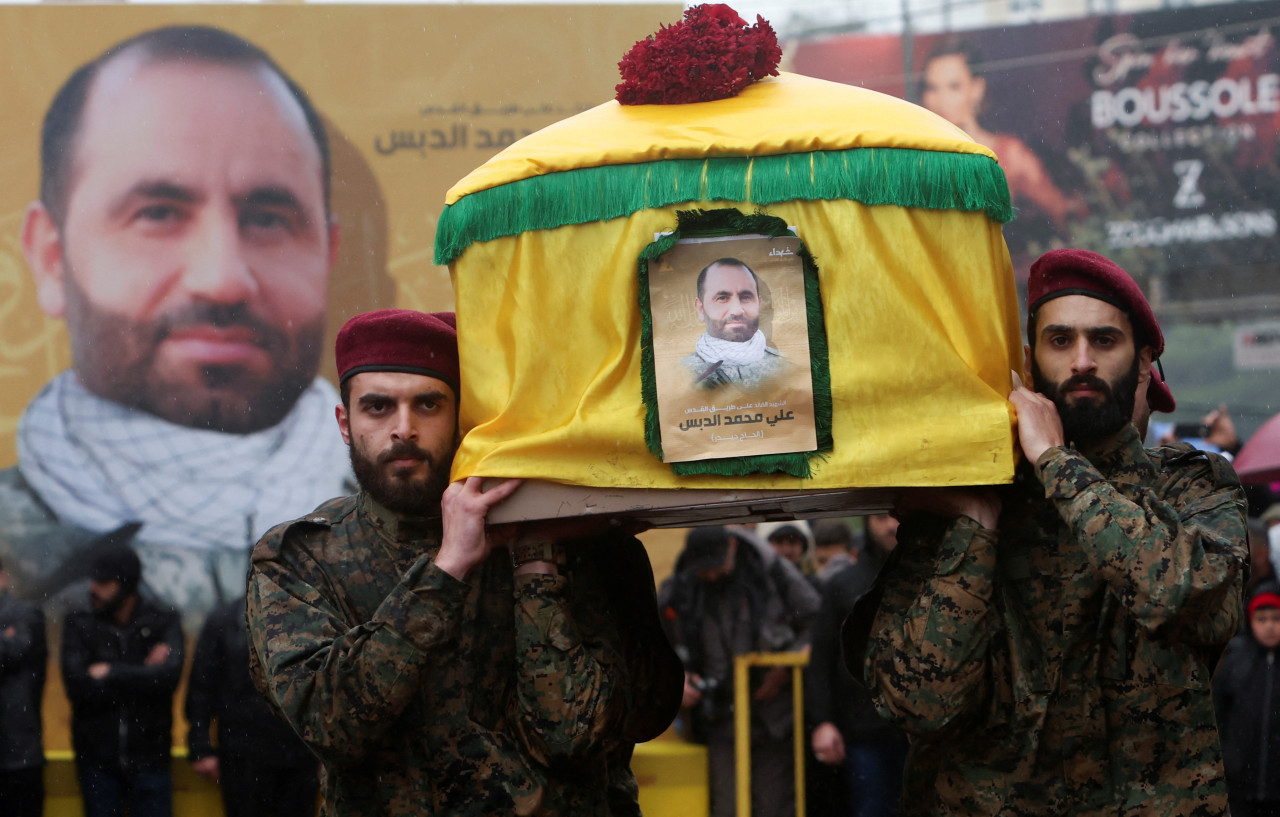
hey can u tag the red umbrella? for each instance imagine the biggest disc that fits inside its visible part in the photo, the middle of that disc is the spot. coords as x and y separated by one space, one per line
1259 459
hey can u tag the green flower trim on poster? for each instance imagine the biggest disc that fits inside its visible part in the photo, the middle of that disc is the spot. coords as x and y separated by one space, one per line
729 222
904 177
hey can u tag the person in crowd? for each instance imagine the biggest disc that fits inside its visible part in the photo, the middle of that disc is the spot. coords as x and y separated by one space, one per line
262 768
1270 518
849 735
792 541
1246 692
1260 567
881 539
1216 432
23 654
834 547
429 667
183 232
730 595
121 661
1049 646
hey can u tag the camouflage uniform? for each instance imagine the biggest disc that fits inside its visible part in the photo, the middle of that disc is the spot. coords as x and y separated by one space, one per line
752 376
1061 665
426 695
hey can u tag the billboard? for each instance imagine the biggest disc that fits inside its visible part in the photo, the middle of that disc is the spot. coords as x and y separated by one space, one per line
184 228
1150 138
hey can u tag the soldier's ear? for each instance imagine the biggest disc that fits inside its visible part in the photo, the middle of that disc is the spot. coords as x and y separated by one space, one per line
344 423
1144 376
1146 355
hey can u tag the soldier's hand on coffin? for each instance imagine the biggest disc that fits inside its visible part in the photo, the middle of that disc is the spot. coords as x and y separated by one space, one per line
982 505
1039 426
464 507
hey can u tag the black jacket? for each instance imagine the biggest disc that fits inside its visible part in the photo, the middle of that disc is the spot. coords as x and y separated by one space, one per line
1246 696
23 656
831 694
125 720
221 690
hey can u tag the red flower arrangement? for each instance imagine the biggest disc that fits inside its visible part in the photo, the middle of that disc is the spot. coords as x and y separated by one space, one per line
711 54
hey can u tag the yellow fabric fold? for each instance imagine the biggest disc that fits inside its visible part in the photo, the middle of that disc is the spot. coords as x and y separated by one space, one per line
921 317
784 114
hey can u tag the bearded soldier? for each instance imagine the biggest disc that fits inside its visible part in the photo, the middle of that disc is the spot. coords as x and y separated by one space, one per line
1049 645
433 666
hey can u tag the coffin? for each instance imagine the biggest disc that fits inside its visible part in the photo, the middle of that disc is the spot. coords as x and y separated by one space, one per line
571 322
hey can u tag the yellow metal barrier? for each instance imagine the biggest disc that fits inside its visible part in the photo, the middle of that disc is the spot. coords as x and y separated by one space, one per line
742 720
193 796
673 778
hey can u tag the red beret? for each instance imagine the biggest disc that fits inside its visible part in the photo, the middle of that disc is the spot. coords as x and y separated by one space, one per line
1080 272
399 340
1159 396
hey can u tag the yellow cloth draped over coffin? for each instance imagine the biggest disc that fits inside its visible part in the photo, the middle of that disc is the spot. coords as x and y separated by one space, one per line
900 210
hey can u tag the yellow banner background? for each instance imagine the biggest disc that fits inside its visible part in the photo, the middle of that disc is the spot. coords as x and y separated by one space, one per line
460 81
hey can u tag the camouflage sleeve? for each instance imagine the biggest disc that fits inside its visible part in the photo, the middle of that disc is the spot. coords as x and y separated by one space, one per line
1173 566
342 685
927 662
568 699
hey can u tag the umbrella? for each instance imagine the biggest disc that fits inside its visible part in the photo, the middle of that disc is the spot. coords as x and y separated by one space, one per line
1259 460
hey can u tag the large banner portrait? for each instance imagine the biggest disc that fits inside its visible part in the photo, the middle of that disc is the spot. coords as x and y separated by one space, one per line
194 199
1150 138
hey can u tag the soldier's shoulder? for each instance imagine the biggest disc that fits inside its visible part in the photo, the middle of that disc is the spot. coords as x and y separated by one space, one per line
1179 463
321 521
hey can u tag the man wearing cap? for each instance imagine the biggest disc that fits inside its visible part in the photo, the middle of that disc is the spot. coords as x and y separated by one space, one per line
1049 645
430 670
732 594
1246 692
121 660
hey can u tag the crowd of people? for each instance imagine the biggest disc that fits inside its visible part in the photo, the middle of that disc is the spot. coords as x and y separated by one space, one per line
1098 637
1095 638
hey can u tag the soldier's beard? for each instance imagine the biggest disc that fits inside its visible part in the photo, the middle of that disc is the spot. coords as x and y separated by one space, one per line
1089 420
398 490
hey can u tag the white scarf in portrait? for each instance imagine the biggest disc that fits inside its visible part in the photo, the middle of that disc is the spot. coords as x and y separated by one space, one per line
99 465
731 353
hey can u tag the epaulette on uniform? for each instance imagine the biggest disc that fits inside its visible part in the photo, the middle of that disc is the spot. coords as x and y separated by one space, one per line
1181 453
326 516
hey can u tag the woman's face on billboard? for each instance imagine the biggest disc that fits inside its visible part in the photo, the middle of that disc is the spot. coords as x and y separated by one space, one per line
952 91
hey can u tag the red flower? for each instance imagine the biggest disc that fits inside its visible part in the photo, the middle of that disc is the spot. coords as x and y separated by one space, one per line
711 54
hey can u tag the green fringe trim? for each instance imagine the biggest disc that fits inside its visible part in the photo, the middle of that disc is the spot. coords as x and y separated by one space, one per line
904 177
732 222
